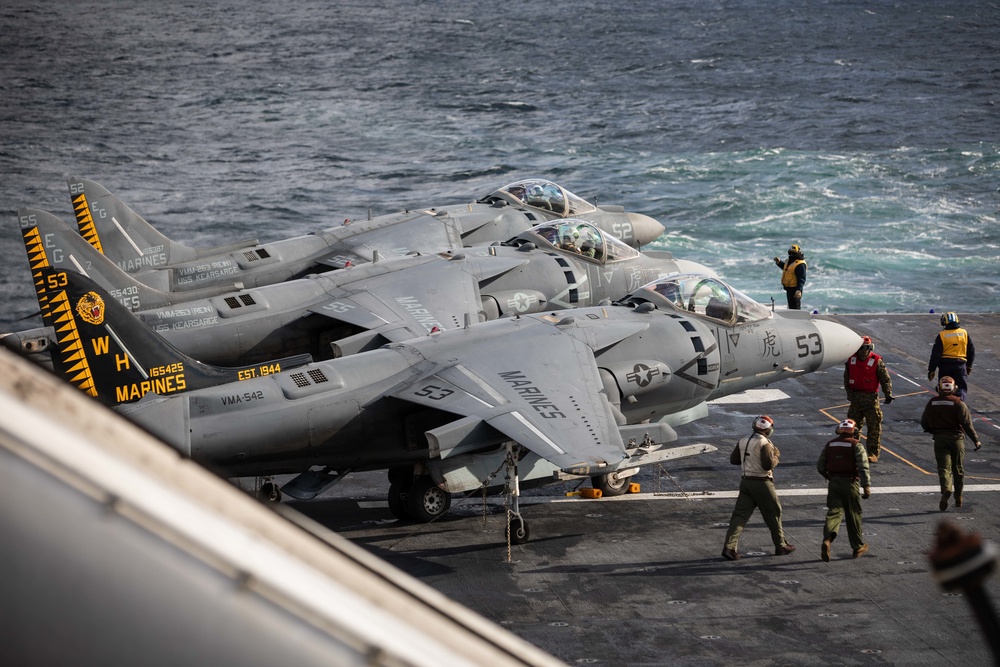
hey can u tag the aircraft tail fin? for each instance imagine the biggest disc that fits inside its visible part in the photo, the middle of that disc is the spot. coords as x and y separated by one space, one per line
117 231
105 351
51 242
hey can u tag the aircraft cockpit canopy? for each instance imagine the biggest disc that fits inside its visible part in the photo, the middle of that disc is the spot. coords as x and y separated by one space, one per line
543 195
582 238
703 295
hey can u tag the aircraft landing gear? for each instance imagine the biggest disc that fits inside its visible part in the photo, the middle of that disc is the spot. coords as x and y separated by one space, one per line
416 498
611 484
517 528
398 497
269 492
426 501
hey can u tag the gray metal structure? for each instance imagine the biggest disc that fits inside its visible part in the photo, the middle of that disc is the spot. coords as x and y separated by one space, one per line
138 248
592 392
556 265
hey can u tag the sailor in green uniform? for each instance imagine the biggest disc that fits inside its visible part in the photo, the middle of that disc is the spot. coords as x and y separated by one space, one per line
844 462
948 419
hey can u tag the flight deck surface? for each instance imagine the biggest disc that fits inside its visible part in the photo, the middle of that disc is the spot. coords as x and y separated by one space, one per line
639 580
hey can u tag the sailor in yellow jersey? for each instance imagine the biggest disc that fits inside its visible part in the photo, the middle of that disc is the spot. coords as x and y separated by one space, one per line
793 276
953 353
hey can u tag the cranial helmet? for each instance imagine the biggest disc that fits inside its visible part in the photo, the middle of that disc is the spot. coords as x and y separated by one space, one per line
763 424
847 426
946 385
866 346
794 249
949 318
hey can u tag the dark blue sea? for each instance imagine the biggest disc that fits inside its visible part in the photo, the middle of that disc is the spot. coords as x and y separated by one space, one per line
866 132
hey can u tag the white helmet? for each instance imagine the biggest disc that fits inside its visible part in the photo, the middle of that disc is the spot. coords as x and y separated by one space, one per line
847 427
946 385
764 424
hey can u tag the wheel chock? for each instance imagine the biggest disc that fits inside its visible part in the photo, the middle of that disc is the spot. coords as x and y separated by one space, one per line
591 493
572 494
633 487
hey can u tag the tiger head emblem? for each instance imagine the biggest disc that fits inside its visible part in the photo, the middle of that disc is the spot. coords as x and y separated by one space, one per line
91 308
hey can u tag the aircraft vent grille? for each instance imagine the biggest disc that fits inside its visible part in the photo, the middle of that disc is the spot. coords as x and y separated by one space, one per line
232 302
263 254
687 325
562 262
247 300
250 255
317 376
302 380
698 345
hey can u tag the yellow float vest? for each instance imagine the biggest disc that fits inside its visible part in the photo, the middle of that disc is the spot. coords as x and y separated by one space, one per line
788 278
954 343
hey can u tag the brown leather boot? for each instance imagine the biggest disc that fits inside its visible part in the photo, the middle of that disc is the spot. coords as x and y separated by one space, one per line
824 551
958 501
863 549
943 505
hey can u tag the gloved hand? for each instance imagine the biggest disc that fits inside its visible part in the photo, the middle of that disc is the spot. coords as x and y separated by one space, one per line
968 370
777 261
868 493
889 399
798 294
930 376
978 445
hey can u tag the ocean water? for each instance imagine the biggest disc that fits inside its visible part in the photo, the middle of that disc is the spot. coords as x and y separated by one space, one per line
866 132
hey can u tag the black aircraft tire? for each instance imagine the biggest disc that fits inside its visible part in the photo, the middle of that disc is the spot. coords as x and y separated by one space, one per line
269 493
398 494
517 532
608 486
427 501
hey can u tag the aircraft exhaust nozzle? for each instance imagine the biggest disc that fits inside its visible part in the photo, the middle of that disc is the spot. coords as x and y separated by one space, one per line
839 342
645 229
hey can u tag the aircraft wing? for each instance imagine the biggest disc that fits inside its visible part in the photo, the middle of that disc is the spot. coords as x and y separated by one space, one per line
408 302
538 385
392 235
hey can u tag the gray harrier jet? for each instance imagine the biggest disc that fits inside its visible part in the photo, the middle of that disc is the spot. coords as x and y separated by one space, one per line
138 248
538 397
556 265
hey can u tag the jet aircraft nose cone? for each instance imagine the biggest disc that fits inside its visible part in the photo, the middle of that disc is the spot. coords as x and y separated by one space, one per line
644 228
839 342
